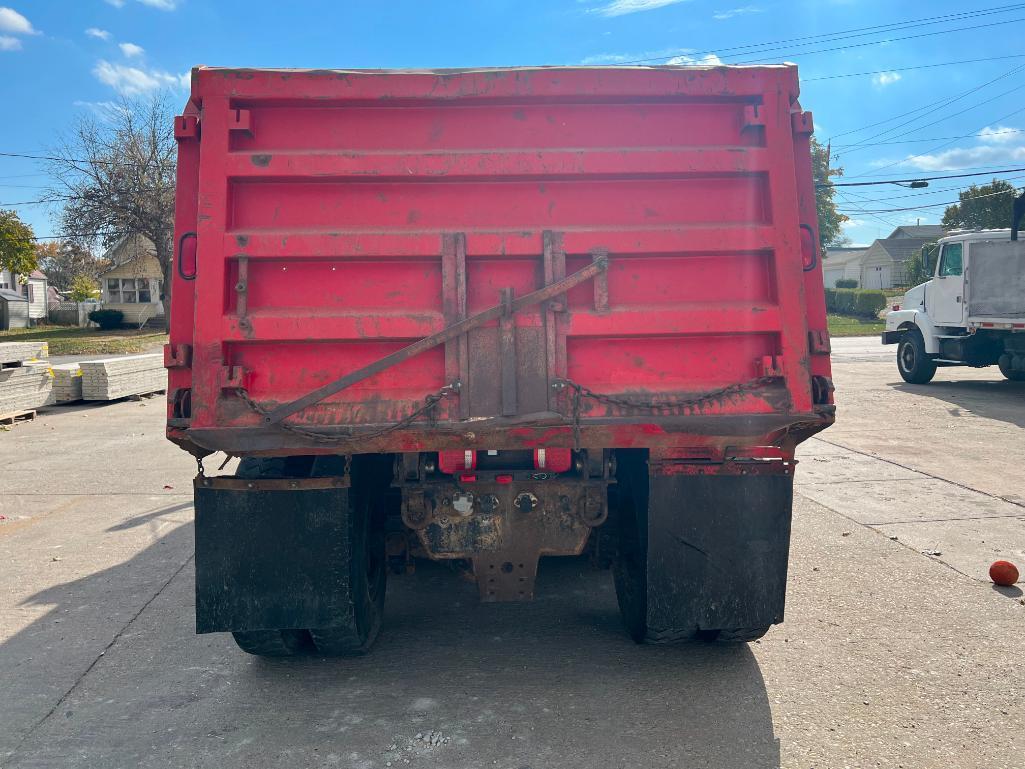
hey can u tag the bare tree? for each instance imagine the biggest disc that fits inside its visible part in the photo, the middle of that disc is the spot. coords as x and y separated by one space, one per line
115 175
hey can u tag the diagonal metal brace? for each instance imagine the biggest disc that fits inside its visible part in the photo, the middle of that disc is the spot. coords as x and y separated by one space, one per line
599 265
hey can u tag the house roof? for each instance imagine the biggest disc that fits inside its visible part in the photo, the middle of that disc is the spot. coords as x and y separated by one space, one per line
927 231
836 257
143 265
899 249
12 296
134 244
37 275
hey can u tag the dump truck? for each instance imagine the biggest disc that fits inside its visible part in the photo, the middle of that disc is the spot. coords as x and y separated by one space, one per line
971 311
485 316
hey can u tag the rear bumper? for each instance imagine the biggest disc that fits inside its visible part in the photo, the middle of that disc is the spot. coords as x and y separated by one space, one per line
717 431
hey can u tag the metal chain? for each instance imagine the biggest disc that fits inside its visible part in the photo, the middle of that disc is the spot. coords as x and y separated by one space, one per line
429 404
580 393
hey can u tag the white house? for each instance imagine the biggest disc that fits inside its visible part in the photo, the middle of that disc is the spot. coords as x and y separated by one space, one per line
134 284
842 262
34 288
884 263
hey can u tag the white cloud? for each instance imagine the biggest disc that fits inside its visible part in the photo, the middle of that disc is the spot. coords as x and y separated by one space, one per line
999 135
967 157
163 5
623 7
708 60
131 49
851 223
99 34
723 15
13 22
620 58
884 79
132 81
8 43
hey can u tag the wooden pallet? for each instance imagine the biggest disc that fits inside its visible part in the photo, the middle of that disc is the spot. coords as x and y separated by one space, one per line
17 416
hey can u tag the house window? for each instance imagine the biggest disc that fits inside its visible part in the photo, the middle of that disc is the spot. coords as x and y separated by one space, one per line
129 291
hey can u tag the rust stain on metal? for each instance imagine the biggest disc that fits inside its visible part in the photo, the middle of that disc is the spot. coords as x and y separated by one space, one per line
260 160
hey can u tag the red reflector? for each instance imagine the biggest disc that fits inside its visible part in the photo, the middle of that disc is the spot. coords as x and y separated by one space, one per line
503 479
553 460
452 462
1018 325
896 307
468 477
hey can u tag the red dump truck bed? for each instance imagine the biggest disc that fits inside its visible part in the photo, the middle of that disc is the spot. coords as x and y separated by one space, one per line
340 216
489 316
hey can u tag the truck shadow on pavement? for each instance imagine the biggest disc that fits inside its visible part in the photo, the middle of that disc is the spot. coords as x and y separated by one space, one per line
553 683
999 399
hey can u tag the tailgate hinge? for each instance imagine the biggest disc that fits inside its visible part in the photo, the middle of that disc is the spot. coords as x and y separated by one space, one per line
186 127
818 342
177 355
802 122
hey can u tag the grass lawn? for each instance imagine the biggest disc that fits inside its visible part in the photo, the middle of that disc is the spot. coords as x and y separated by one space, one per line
67 340
848 325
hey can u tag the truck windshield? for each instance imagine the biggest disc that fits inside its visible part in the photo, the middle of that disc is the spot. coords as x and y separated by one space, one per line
950 259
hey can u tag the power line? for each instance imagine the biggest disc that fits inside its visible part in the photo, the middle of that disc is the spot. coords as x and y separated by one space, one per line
917 179
936 107
940 205
908 69
976 135
842 34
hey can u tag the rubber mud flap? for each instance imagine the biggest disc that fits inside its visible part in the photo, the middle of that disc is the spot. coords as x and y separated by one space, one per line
717 549
271 559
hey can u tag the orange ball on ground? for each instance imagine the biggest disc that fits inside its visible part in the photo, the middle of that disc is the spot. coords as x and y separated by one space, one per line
1003 573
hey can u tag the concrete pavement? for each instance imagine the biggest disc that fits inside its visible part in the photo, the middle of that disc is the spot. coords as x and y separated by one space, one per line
888 657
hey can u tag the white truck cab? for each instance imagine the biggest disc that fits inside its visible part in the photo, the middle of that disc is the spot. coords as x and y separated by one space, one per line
970 313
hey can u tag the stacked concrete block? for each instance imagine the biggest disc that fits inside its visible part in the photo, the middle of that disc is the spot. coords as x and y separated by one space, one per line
15 353
26 382
67 383
113 378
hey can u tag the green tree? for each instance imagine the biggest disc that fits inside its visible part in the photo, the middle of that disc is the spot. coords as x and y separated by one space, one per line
982 208
17 245
83 287
830 219
916 267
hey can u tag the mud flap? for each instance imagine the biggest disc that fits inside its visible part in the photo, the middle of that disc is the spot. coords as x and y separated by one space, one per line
271 554
716 552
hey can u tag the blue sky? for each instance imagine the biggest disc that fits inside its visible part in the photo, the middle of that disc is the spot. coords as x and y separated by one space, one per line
60 57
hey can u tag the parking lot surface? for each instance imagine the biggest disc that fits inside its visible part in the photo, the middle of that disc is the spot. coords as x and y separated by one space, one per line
896 650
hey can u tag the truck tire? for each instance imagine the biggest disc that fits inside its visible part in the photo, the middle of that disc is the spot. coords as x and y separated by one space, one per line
364 553
684 575
913 362
1012 375
368 575
272 643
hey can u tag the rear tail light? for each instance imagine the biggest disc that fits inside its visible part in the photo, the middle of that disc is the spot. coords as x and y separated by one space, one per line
467 477
503 479
895 307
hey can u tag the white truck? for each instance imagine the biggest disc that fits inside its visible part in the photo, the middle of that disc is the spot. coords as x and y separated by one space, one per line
970 313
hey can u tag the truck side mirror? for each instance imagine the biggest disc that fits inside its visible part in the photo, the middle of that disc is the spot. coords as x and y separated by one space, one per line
929 258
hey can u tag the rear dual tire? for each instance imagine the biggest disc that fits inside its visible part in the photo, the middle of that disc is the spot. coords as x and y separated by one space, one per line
661 609
367 582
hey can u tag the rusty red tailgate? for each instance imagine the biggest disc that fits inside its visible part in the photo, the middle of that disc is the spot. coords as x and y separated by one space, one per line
337 217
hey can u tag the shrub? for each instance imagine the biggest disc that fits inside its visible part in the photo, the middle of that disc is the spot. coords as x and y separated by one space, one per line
107 319
850 301
847 283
